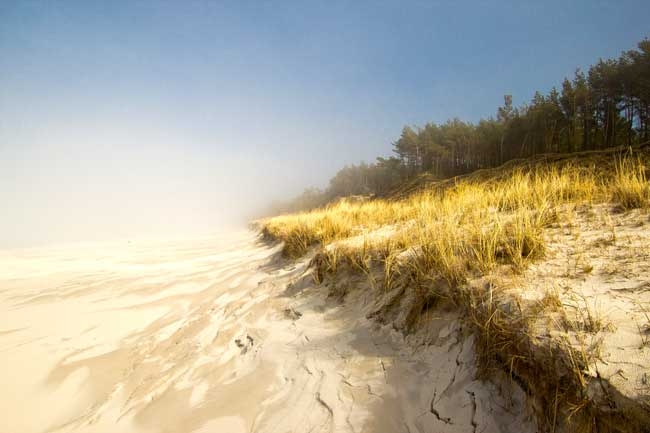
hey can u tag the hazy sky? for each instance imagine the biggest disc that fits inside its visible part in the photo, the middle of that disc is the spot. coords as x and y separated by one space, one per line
131 118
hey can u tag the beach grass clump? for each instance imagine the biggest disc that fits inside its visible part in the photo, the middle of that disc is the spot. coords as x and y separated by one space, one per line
553 370
498 219
337 221
479 223
463 228
630 188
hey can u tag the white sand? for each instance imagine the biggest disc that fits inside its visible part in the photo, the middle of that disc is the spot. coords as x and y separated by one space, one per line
193 336
599 268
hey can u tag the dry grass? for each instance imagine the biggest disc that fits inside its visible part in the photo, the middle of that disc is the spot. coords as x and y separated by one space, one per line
644 329
438 240
484 223
583 317
630 187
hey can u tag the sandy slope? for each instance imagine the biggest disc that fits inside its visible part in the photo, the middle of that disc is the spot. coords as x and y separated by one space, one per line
204 335
598 266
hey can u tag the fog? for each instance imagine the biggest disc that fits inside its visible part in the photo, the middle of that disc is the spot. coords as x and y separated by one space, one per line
71 189
121 120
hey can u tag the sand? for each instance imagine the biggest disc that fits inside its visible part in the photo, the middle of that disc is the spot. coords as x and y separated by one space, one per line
598 266
219 335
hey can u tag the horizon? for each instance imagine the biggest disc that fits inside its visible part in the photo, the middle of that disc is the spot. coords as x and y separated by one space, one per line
153 119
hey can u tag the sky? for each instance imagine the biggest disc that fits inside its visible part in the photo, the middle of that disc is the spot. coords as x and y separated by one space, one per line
137 118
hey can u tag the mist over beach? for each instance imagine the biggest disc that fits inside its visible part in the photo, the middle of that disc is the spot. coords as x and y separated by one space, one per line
379 217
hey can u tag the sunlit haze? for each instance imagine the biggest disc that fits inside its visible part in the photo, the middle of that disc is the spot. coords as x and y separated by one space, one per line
127 119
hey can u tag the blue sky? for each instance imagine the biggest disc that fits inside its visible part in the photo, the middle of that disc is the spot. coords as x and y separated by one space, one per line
199 102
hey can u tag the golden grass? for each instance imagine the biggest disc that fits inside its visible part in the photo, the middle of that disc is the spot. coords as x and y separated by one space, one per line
435 241
479 222
630 187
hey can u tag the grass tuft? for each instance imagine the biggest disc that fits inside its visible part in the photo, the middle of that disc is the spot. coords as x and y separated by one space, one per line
630 188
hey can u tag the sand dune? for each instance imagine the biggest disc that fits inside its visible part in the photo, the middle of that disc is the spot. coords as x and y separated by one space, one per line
210 336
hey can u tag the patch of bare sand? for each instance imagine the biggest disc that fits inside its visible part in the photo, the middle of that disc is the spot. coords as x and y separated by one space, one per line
597 264
216 335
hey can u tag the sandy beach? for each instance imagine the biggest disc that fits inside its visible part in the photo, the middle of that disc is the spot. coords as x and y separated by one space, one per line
218 335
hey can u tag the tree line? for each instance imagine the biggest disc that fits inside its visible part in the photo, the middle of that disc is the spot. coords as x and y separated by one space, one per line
607 106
